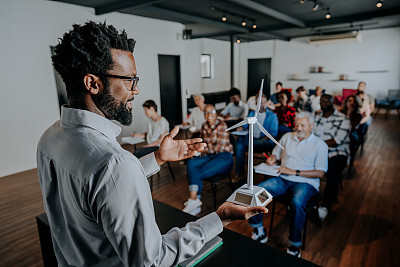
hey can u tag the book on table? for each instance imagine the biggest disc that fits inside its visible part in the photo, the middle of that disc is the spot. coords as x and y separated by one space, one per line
205 251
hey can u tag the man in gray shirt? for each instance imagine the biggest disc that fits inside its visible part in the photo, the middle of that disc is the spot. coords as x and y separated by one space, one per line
95 194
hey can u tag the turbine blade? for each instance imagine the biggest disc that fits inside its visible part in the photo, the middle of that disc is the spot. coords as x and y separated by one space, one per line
268 134
259 98
237 125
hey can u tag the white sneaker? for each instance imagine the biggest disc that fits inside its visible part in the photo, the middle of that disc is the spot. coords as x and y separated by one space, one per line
322 213
192 204
195 211
259 236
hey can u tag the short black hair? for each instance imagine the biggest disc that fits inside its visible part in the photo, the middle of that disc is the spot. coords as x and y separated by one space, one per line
150 103
87 49
234 91
278 83
300 88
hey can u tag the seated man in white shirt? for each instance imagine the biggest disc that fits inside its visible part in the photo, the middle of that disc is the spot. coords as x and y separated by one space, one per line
157 129
303 162
236 109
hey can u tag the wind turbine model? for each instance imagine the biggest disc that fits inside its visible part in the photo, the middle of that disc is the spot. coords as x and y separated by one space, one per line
247 194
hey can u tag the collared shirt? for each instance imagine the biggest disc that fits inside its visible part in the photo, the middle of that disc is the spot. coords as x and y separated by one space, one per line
286 115
155 129
196 118
306 155
216 138
239 111
268 120
336 126
98 200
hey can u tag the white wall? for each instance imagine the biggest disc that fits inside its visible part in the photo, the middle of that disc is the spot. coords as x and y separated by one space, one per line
29 102
379 50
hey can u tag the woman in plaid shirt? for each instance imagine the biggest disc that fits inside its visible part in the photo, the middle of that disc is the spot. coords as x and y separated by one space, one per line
215 159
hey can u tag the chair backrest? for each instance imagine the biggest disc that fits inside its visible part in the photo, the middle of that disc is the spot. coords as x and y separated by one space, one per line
393 94
347 92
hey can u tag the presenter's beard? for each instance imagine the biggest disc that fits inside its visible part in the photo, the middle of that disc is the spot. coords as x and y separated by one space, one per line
114 110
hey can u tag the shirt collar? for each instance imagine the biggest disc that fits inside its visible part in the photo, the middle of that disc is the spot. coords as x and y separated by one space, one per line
308 139
89 119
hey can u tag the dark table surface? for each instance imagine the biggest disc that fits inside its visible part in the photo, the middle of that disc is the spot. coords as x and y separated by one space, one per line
237 250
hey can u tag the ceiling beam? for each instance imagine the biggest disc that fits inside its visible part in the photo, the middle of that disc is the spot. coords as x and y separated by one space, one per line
195 19
235 33
111 7
269 12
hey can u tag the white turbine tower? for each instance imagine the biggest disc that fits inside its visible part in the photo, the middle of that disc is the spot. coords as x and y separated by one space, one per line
249 195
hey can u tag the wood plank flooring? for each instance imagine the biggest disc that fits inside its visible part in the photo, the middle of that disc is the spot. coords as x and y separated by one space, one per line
362 229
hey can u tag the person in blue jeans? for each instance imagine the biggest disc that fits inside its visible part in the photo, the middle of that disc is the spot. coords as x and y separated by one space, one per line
261 143
215 159
302 163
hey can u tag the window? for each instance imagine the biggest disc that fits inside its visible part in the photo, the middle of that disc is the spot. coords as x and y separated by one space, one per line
205 63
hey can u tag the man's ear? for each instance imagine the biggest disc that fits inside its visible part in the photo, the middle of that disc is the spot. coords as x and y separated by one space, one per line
92 83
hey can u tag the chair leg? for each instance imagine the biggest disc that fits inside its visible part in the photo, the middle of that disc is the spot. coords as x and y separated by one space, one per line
170 170
271 225
214 189
303 245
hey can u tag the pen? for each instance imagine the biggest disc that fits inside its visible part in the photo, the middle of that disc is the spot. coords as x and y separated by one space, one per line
265 155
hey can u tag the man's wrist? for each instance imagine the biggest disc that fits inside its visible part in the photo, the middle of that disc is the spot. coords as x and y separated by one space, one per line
157 155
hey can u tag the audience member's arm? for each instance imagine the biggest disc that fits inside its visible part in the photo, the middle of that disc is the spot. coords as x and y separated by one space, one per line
306 174
158 141
226 110
139 135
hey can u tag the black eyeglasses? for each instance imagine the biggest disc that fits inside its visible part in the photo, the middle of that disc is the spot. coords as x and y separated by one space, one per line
134 80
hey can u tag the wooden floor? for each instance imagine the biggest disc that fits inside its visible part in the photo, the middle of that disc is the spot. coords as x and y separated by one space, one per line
362 229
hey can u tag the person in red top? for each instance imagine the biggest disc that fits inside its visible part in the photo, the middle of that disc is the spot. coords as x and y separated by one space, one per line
285 113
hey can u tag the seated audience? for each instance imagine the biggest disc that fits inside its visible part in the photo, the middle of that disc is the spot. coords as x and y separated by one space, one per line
285 113
367 106
157 129
196 117
351 108
302 103
252 102
261 143
302 163
274 97
236 109
315 106
216 158
333 127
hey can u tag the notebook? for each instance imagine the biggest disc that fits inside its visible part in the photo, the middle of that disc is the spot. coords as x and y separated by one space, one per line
206 250
267 170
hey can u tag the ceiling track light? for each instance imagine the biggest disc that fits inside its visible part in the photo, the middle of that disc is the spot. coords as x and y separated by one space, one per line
379 4
301 1
238 41
328 15
223 17
254 25
315 6
243 22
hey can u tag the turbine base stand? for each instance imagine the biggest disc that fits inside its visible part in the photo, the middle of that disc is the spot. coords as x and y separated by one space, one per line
257 196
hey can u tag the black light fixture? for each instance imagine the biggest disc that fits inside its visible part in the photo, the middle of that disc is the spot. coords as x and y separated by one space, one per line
379 4
243 22
328 15
315 6
223 17
301 1
254 25
238 41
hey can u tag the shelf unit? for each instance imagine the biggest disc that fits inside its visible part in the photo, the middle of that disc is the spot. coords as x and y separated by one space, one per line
348 80
372 71
322 72
302 80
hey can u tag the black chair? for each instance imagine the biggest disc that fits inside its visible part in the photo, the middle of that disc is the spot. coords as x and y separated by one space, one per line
216 179
285 199
158 175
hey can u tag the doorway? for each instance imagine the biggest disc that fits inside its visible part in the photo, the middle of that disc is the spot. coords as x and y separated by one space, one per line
259 68
169 69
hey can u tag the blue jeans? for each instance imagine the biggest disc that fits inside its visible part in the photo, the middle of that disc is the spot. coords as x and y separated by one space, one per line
261 144
300 194
207 166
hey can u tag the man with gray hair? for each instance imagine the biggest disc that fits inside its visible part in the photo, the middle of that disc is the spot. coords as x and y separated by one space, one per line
302 163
